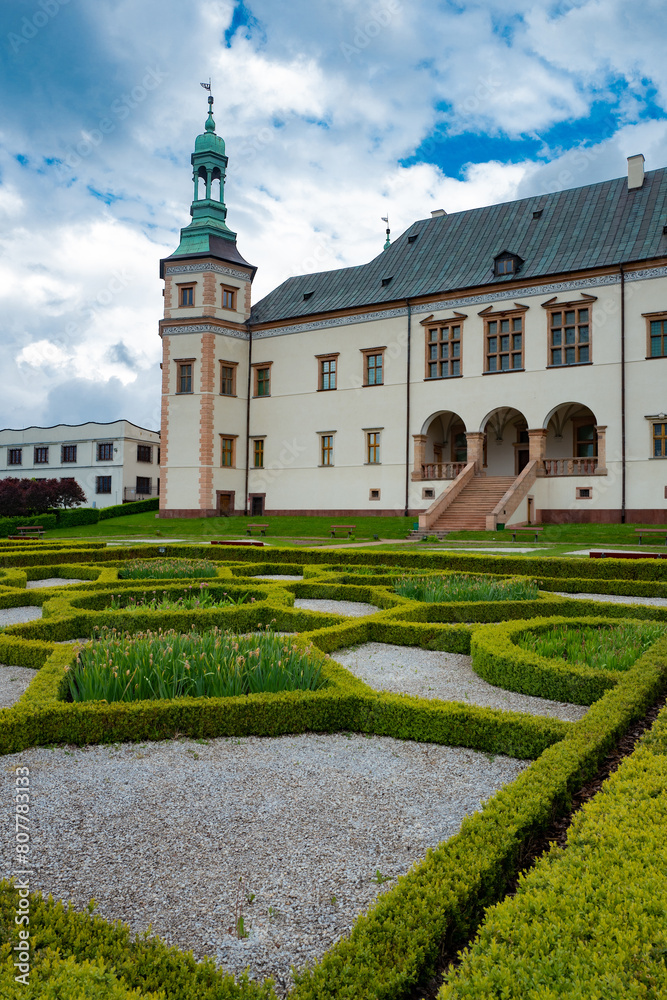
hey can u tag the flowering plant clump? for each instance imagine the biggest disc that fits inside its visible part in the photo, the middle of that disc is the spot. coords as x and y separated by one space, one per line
197 597
123 667
166 569
460 587
614 648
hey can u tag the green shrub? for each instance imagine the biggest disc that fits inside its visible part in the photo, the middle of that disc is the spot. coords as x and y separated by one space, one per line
55 978
196 598
125 509
167 569
171 665
74 517
589 920
459 587
8 525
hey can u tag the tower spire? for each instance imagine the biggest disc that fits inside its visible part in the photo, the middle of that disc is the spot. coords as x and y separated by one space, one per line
387 242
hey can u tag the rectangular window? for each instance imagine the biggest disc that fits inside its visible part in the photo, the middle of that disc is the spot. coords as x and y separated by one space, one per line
227 379
227 452
374 374
144 453
184 383
585 440
41 456
68 453
658 338
228 298
187 295
326 449
14 456
103 484
105 452
373 447
258 453
443 350
328 367
660 440
569 336
262 380
504 343
143 485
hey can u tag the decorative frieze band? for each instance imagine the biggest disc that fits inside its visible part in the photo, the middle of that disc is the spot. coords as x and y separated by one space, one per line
207 266
223 331
551 289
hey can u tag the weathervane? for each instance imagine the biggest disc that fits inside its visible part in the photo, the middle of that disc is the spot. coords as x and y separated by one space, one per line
387 242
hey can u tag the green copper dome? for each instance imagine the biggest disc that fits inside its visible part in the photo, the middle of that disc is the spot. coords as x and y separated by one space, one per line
209 142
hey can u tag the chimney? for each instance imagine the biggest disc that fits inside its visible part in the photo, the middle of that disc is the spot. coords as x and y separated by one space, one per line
437 213
635 171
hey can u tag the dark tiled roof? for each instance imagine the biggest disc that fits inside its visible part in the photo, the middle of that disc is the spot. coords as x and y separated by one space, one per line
594 226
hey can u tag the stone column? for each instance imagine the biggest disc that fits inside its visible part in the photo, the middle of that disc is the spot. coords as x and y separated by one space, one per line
475 441
420 456
601 432
537 447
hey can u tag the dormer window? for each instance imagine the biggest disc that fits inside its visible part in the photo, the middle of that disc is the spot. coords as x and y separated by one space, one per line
411 239
307 295
506 264
386 281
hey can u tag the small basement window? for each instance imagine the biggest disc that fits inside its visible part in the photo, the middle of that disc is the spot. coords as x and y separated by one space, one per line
428 493
584 492
374 495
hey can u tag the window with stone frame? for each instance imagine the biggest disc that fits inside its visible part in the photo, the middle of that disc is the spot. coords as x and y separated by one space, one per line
327 372
262 379
656 335
569 334
258 453
443 348
186 295
326 449
372 447
228 378
229 297
659 439
227 451
374 366
184 370
504 340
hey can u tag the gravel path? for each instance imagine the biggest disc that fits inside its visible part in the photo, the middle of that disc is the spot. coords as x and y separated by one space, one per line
448 676
17 616
660 602
52 581
13 682
162 833
355 609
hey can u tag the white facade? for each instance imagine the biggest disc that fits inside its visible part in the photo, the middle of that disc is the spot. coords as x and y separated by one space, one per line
575 420
112 462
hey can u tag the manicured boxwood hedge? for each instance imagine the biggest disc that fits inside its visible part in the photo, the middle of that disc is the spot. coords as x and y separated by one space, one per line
396 944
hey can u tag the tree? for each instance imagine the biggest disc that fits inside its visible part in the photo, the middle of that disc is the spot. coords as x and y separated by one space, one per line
28 497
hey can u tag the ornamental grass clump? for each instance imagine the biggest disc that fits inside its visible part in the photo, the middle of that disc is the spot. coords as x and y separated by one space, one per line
613 648
195 598
167 569
461 587
215 664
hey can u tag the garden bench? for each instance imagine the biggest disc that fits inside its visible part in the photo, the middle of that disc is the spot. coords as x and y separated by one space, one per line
239 541
260 527
651 531
535 531
29 531
342 527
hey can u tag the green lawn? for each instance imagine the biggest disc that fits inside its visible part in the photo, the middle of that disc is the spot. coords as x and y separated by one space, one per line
556 539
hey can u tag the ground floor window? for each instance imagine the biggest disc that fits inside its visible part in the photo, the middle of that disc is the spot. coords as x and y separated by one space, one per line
373 447
103 484
258 453
660 440
326 455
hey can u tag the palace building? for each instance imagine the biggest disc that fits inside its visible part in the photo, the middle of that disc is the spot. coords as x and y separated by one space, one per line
491 366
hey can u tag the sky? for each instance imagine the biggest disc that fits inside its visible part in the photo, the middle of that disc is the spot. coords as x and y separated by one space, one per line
334 113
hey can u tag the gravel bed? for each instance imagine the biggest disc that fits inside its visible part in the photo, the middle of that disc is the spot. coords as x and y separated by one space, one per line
427 673
13 682
161 834
660 602
17 616
355 609
276 576
52 581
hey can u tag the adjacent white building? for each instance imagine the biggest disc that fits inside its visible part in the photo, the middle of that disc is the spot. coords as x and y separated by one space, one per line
112 462
492 366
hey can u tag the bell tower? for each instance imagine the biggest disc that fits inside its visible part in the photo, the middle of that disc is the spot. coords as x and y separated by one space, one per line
205 345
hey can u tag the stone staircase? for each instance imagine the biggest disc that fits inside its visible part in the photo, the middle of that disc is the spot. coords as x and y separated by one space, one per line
469 510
